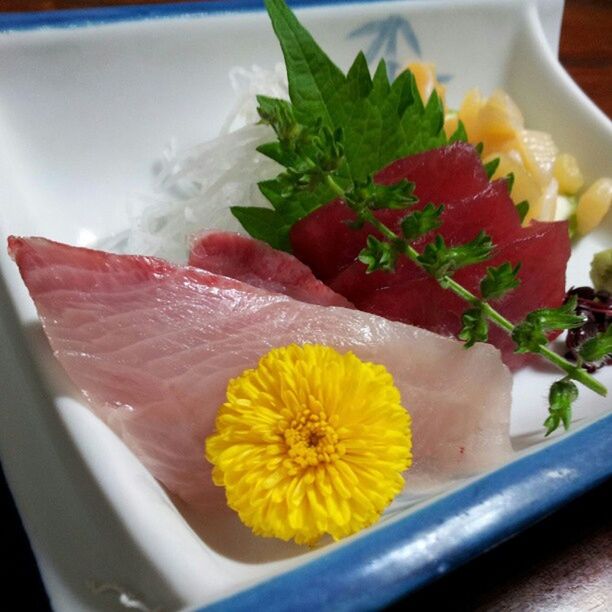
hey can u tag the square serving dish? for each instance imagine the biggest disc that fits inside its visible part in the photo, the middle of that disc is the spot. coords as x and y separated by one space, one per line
88 102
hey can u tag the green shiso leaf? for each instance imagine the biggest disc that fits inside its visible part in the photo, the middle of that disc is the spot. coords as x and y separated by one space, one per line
491 166
263 224
380 121
522 208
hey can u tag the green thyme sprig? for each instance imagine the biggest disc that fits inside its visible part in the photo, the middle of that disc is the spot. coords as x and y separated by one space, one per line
564 392
597 347
561 396
529 335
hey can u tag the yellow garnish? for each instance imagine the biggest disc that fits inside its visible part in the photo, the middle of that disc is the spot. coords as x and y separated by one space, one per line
310 442
426 80
542 176
568 174
593 205
538 152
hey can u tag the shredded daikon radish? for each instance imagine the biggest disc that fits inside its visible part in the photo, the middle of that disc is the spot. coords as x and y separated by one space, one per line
248 84
194 189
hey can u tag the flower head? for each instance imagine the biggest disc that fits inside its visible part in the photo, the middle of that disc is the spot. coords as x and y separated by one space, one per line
310 442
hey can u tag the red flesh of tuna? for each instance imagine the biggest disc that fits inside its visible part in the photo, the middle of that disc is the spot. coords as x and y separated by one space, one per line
258 264
453 176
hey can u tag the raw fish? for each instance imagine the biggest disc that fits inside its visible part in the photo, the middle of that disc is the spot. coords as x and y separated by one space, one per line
152 346
453 176
256 263
325 242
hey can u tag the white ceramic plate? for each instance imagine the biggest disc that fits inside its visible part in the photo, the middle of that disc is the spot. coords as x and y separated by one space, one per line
88 100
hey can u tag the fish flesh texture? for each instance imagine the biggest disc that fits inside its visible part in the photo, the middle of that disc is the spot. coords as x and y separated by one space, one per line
454 176
256 263
152 346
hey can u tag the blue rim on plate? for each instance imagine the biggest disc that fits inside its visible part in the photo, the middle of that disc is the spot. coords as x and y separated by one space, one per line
72 18
396 559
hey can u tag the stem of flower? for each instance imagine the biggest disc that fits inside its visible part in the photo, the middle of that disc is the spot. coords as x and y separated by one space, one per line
573 371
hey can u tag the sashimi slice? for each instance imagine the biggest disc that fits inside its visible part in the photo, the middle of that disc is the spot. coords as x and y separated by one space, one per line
153 346
411 296
490 210
415 298
326 243
256 263
449 173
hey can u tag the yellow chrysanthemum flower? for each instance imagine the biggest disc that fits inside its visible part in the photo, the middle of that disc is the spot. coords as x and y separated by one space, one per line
310 442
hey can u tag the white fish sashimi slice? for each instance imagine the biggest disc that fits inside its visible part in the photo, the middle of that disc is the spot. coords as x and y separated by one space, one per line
153 346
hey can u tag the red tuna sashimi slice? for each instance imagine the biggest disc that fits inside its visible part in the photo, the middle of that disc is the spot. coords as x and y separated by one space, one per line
153 347
456 169
490 210
258 264
412 297
325 242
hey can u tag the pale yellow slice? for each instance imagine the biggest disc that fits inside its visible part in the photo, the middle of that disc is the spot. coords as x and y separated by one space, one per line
593 205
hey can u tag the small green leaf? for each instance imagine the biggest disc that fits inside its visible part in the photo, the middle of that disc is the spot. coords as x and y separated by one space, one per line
264 224
491 166
459 135
563 393
374 196
475 327
297 204
279 115
378 255
279 153
397 196
328 149
272 191
564 317
598 347
510 181
530 335
499 281
421 222
440 260
522 208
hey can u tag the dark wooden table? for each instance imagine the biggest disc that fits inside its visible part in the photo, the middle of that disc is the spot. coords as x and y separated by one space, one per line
563 564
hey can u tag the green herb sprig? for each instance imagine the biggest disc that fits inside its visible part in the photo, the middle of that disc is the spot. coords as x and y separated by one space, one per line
529 336
597 347
332 137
